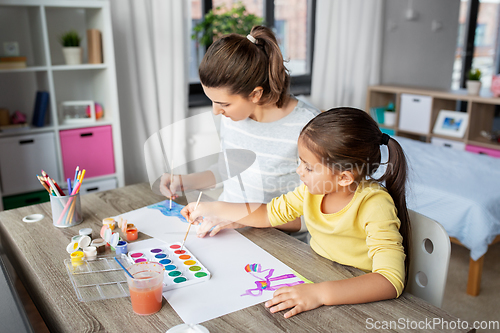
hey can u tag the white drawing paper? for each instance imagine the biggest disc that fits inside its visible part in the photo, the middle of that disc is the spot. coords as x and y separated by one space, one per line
240 269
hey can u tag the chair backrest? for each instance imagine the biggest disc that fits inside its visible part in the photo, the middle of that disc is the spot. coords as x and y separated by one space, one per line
430 256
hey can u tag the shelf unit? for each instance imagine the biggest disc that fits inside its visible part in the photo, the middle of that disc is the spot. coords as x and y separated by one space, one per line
36 25
481 110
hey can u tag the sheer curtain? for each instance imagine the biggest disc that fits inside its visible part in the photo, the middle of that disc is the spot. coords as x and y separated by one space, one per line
347 52
151 48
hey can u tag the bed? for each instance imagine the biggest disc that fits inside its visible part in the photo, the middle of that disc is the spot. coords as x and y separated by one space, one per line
460 190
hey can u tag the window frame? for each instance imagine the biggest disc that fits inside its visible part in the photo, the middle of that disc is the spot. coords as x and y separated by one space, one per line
300 84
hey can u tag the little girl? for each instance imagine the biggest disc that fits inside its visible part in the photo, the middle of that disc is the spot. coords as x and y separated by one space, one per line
351 217
248 83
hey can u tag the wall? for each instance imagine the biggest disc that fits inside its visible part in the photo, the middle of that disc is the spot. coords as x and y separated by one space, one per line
413 54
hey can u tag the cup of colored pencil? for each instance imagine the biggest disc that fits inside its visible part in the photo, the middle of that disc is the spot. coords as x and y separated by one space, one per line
66 205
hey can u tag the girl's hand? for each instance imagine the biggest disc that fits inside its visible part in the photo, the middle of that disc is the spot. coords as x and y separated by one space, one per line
169 189
204 210
214 225
300 298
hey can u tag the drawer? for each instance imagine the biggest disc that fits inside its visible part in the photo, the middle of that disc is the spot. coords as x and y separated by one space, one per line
22 158
97 186
483 151
448 143
27 199
415 113
90 148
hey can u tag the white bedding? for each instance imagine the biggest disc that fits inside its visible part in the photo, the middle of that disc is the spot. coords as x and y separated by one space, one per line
460 190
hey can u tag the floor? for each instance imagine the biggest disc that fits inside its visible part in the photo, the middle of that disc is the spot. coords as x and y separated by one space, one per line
484 307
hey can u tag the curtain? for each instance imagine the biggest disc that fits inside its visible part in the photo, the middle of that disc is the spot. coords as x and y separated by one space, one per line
347 52
151 40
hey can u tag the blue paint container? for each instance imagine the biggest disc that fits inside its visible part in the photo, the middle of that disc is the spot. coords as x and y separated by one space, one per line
121 247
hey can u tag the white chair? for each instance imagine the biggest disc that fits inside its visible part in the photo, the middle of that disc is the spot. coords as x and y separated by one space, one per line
430 256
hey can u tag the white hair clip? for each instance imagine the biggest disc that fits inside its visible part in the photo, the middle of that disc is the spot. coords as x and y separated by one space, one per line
252 39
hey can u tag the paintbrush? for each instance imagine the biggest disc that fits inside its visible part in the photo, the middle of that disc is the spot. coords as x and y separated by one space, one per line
197 202
171 180
123 267
171 194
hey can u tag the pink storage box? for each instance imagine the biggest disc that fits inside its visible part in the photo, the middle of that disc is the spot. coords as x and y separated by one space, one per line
482 150
91 148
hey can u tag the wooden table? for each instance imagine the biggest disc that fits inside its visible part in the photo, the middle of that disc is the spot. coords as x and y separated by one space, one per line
37 251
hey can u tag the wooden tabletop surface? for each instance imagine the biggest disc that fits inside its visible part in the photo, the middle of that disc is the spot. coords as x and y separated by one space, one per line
38 250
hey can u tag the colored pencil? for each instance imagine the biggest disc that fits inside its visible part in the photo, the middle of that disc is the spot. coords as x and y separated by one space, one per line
69 185
58 188
44 179
187 232
71 212
53 184
53 187
82 175
43 184
68 204
76 174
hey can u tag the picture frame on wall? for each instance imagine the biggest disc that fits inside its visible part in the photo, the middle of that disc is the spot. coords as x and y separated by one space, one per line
451 123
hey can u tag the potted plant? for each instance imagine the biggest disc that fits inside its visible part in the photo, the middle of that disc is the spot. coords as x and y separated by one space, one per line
71 47
221 21
473 82
390 115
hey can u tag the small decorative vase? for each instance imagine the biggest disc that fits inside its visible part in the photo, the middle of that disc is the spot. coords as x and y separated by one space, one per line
473 87
72 55
389 118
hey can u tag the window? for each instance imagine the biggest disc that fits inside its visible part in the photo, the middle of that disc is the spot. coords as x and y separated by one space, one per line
484 38
291 20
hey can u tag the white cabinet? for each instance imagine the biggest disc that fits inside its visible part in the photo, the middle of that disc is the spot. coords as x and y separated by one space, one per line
423 106
415 113
36 26
22 158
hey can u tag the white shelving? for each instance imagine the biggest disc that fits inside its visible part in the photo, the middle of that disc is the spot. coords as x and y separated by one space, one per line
480 108
36 26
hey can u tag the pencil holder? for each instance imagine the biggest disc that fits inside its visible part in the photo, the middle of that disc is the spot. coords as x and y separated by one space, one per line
66 210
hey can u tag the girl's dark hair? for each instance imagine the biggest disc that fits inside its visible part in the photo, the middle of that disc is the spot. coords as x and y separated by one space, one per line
349 139
234 62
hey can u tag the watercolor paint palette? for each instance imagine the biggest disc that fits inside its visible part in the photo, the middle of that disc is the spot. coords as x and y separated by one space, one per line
182 268
98 279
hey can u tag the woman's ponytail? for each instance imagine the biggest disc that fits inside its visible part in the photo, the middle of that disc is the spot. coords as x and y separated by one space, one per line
241 64
277 75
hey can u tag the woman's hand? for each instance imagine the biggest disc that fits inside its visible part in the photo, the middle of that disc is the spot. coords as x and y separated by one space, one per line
170 185
300 298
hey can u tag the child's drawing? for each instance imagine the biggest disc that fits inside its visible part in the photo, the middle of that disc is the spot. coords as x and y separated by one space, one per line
164 208
265 282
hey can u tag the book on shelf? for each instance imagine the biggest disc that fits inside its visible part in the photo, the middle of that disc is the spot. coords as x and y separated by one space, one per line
12 65
12 62
41 103
14 127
